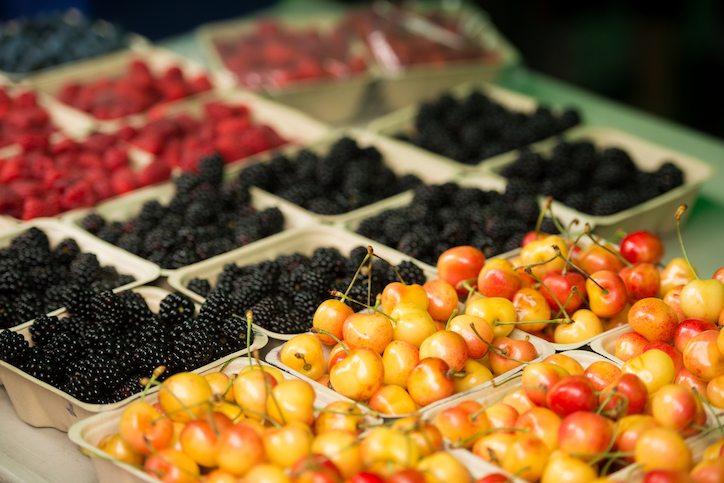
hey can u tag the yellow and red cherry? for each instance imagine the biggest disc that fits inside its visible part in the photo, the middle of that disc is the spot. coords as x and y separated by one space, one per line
405 475
182 396
367 330
475 375
629 431
425 435
585 434
606 293
442 299
630 345
527 456
688 328
339 415
239 449
673 300
585 324
532 236
291 400
199 437
175 466
642 247
542 423
655 369
560 290
662 449
286 445
314 468
518 350
430 380
303 353
708 471
494 446
530 306
119 449
539 378
458 264
262 473
498 279
494 311
602 374
252 389
272 371
702 356
567 469
543 250
413 325
676 356
715 392
618 320
342 448
396 293
448 346
392 401
337 354
330 317
359 375
566 362
477 348
627 396
142 427
642 281
442 466
398 359
676 273
219 383
384 444
519 400
501 415
598 258
463 424
703 298
571 394
686 379
674 407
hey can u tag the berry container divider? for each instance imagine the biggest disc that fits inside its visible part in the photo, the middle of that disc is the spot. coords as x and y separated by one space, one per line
304 240
89 432
400 157
332 101
112 66
657 214
543 348
419 82
124 207
489 394
41 405
7 223
402 121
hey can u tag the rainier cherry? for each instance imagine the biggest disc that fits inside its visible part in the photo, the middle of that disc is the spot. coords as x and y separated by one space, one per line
642 247
460 263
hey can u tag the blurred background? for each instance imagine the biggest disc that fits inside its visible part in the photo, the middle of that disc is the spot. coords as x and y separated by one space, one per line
666 59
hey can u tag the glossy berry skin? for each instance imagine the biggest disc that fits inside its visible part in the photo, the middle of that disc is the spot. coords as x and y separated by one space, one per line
642 247
458 264
571 394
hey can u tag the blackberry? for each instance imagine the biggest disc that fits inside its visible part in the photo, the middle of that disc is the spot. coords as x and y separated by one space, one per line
186 183
234 329
411 273
327 260
62 347
66 251
13 347
257 175
93 223
668 177
176 308
200 286
415 245
314 282
110 233
182 257
306 304
211 169
610 202
84 269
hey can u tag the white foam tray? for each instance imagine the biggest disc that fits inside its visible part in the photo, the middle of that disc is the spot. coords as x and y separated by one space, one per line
543 348
400 157
88 433
111 66
125 207
304 240
42 405
657 214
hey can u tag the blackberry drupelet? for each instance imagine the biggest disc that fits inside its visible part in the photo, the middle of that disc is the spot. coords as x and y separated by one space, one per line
200 286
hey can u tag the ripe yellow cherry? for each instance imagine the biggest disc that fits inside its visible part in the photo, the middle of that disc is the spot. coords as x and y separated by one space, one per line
303 354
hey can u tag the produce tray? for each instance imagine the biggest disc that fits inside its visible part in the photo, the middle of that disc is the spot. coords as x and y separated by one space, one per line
126 206
42 405
304 240
606 345
402 158
89 432
332 101
111 66
107 254
7 223
657 214
543 348
403 120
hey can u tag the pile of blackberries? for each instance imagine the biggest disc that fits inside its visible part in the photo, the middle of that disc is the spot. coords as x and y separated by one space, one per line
205 218
597 182
284 294
109 342
444 216
36 279
476 128
346 178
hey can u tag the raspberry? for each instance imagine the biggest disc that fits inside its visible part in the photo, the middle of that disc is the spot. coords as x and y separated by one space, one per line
155 172
36 207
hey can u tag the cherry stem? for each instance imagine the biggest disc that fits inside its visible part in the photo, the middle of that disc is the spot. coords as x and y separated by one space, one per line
249 321
336 293
269 392
611 395
315 330
542 214
524 322
402 281
354 279
706 403
156 374
154 452
495 348
573 222
613 252
604 291
471 290
680 212
449 319
369 284
460 443
307 366
619 235
556 223
607 453
530 272
536 264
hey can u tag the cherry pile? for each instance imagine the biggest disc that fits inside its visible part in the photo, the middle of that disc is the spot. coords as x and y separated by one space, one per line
135 92
36 279
22 121
50 179
592 180
346 178
49 39
275 55
444 216
99 353
203 219
283 294
476 127
180 141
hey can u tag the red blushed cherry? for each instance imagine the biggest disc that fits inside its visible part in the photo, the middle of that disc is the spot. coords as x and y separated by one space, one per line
642 281
642 247
632 399
609 296
673 300
676 356
562 287
688 328
458 264
668 476
532 236
539 378
654 319
585 433
597 259
719 275
686 379
572 394
630 345
495 477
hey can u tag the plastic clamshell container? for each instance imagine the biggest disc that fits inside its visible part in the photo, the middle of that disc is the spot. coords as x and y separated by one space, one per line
89 432
543 348
403 120
332 101
112 66
402 158
107 254
41 405
127 206
657 214
304 240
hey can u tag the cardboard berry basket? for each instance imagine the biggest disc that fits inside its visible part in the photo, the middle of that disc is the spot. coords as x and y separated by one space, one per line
125 207
42 405
89 432
330 100
543 348
400 157
488 395
112 66
402 121
304 240
657 214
